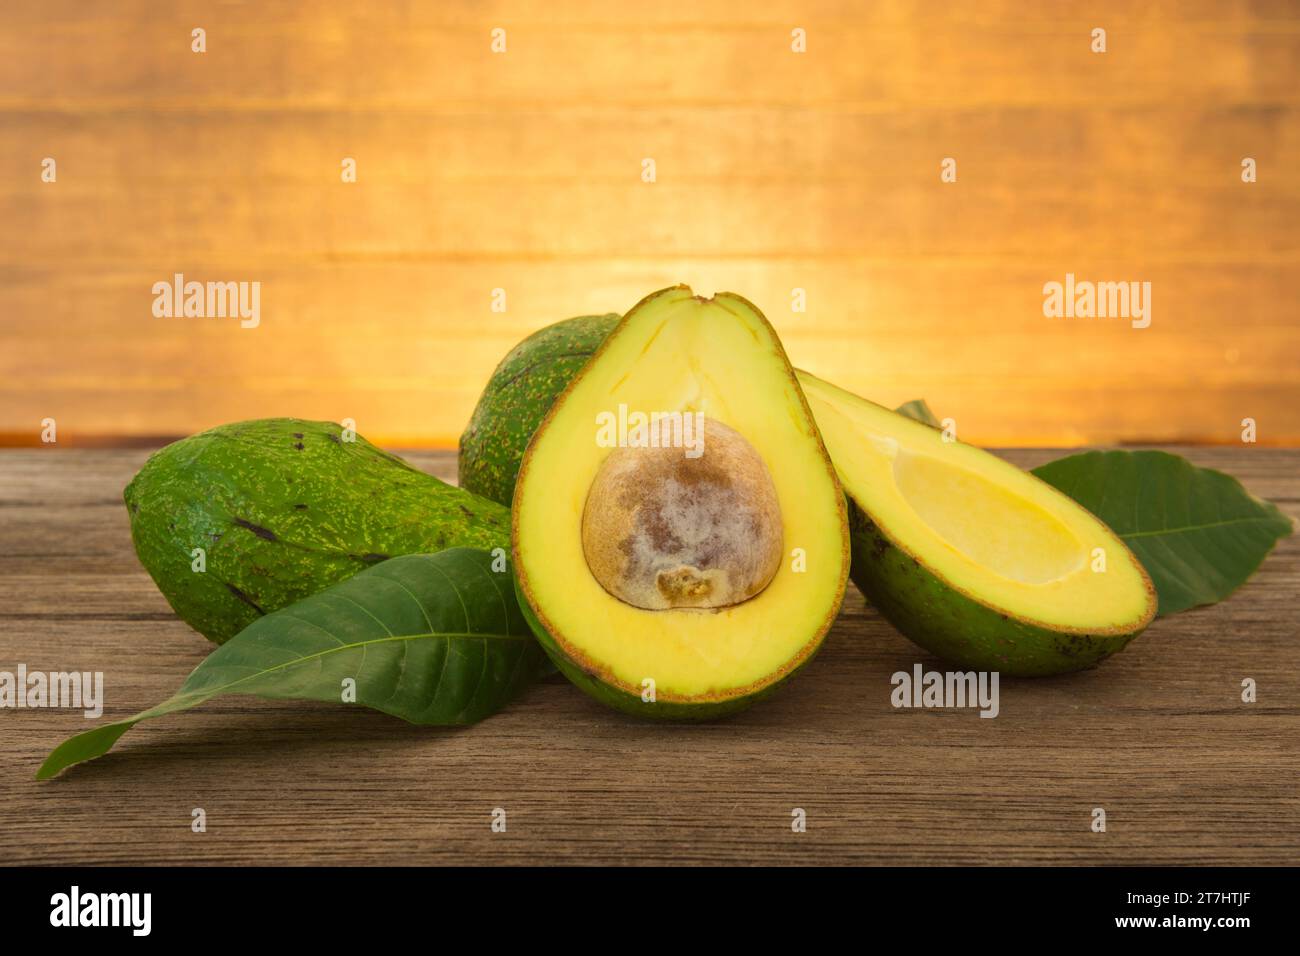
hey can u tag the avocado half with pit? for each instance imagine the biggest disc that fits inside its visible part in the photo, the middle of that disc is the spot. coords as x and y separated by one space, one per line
669 576
971 558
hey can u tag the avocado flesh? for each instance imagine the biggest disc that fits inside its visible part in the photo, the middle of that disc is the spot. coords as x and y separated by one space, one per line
971 558
676 352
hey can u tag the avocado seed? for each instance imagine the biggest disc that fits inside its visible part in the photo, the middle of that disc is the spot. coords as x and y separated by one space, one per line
661 529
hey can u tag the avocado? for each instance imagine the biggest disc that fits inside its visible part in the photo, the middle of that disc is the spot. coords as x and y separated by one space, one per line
517 397
283 508
973 559
677 524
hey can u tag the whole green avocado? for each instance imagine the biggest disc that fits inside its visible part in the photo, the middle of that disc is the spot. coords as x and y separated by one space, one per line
247 518
517 398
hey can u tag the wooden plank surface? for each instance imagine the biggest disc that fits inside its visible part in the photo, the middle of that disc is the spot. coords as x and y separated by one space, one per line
1158 736
774 171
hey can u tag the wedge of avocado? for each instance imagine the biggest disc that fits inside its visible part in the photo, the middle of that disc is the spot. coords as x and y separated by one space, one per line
971 558
667 577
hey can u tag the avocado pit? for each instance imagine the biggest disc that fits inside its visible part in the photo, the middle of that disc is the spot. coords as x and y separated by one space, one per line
663 530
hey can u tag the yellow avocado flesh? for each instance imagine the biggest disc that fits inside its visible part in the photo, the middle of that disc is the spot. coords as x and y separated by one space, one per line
984 527
676 352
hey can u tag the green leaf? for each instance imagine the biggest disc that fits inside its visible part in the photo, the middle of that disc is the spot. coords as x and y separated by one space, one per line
431 638
1197 531
918 409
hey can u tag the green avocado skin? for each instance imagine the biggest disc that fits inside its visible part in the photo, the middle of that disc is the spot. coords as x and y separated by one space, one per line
284 508
517 398
956 628
632 703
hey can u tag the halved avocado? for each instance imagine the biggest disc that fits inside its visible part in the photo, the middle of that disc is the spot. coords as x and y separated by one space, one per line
971 558
708 574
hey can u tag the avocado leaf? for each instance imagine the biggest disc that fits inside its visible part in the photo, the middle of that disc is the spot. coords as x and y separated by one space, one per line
1197 531
431 638
918 409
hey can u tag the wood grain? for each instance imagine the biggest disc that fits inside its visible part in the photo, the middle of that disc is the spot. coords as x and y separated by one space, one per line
1158 736
775 171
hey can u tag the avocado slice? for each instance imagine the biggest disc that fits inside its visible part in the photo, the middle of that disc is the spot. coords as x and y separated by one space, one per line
971 558
707 574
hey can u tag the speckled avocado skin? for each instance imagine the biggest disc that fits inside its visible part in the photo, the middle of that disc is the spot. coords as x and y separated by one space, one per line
956 628
517 398
284 508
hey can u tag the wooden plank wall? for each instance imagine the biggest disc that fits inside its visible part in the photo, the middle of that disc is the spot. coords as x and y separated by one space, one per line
775 170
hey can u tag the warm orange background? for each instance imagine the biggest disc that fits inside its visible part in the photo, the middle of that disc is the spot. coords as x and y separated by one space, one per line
775 170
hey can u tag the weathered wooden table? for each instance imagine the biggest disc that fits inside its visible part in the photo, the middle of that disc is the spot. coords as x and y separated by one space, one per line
1158 736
